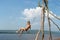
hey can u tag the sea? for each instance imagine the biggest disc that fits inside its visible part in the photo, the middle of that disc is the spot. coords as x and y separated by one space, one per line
29 35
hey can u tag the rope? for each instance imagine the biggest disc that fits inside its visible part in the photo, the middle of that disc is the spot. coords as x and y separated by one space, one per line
54 16
55 24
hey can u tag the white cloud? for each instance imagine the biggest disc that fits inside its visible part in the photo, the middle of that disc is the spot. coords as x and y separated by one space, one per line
34 12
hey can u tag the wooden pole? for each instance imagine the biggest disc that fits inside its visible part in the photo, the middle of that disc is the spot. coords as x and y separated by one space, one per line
42 19
46 6
50 35
49 25
42 23
45 2
37 35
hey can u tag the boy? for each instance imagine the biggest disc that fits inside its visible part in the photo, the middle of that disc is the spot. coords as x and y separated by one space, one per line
25 29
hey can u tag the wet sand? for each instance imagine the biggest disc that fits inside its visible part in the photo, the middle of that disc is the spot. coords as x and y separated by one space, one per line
57 39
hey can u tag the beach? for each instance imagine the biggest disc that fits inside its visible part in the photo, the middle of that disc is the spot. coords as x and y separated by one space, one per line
29 35
25 37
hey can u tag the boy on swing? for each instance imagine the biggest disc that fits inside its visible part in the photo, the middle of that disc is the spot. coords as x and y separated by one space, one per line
25 29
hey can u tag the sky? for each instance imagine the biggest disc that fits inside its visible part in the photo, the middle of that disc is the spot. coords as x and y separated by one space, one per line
13 14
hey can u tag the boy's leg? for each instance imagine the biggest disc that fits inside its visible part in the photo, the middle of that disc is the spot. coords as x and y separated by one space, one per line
18 31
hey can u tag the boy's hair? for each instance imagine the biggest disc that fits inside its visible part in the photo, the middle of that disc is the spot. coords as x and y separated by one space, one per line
28 21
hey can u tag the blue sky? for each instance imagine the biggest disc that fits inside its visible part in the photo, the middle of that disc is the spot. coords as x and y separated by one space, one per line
11 12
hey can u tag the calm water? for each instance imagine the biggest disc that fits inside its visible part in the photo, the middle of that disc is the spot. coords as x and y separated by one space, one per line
30 35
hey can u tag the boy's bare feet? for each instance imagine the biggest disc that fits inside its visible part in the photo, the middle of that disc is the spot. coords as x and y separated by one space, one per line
16 31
